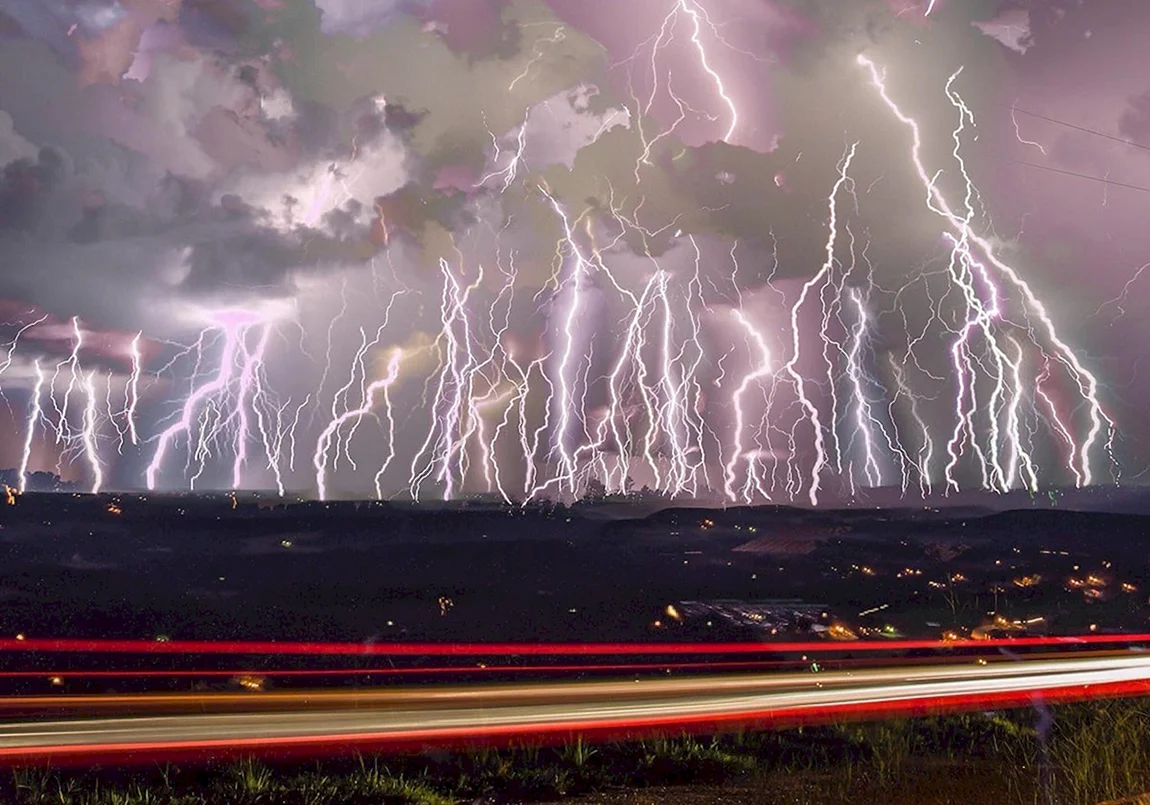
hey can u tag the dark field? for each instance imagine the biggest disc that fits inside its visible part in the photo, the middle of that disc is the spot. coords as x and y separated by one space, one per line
186 568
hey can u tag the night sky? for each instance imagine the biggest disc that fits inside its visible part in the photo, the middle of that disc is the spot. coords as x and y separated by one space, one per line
376 247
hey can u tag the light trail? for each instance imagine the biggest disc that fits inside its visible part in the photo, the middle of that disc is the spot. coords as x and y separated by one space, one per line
339 722
556 733
66 676
272 647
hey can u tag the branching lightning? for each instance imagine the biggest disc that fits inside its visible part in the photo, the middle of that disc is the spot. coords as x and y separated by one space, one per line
640 362
975 258
218 411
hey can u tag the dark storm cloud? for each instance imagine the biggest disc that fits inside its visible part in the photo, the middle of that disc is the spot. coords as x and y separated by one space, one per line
242 262
116 187
9 26
29 190
188 251
775 203
235 253
198 153
447 103
408 211
218 24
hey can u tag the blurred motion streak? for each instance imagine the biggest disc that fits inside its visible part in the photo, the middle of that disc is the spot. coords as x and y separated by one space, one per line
311 723
270 647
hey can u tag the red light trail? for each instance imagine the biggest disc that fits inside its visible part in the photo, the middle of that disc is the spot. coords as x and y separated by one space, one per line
301 648
418 718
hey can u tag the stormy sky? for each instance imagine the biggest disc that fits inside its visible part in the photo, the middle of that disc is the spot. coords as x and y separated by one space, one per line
438 247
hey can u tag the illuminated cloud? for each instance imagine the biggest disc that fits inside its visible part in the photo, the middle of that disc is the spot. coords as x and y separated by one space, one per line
1135 121
12 145
552 132
365 166
360 17
1011 29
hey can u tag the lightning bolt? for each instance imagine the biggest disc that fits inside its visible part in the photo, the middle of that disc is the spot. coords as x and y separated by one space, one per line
810 410
566 381
63 433
1018 132
218 409
537 51
30 427
11 346
966 241
89 433
926 447
379 387
698 15
620 376
700 23
133 391
511 170
762 371
863 415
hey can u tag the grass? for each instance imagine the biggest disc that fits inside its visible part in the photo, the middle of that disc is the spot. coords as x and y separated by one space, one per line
1086 753
1098 753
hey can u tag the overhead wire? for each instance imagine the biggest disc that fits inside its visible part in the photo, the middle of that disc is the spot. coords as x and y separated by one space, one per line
1076 174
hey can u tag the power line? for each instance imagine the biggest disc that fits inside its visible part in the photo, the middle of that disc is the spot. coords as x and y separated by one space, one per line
1102 134
1099 179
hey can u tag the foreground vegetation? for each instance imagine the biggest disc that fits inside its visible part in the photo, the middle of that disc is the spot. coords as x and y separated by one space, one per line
1085 753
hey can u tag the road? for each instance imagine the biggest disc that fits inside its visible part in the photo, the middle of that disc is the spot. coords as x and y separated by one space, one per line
154 727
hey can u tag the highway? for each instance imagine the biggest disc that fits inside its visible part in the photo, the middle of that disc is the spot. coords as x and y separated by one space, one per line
154 727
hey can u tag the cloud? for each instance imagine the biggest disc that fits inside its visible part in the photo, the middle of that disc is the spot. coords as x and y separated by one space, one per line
304 194
457 98
206 153
173 101
158 118
553 132
12 145
185 241
1011 29
175 186
361 17
1135 120
30 190
564 124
